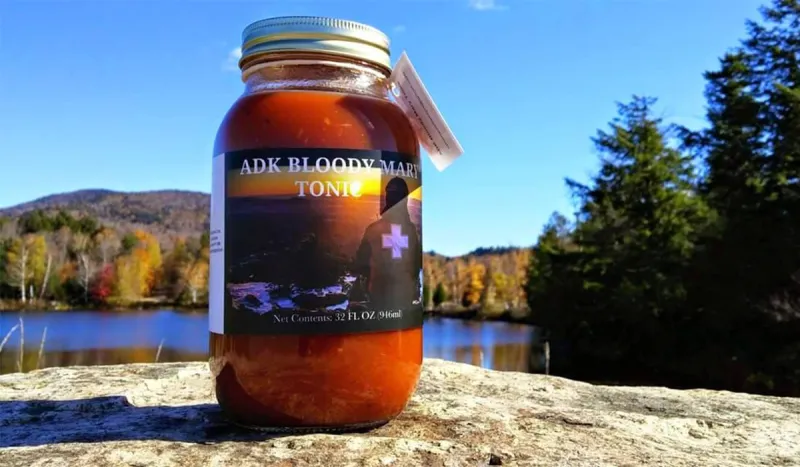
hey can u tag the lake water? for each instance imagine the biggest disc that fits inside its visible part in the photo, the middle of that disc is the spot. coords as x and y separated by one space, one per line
107 338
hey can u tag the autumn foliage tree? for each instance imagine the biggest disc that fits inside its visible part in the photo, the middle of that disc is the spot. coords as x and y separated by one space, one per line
490 279
60 257
475 286
17 265
103 284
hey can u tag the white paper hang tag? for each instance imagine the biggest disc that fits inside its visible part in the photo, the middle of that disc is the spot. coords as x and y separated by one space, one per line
432 131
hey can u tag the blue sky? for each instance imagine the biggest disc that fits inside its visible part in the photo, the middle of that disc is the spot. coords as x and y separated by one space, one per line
128 95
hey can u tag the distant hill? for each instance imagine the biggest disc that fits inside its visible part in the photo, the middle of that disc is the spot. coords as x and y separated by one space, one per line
161 212
495 250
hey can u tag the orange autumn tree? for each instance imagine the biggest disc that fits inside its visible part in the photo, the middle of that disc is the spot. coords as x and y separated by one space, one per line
148 253
138 271
474 288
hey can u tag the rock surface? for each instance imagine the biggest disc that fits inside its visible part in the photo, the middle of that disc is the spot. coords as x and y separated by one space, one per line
164 415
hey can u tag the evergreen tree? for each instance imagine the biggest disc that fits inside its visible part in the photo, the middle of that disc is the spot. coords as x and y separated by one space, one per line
748 274
439 295
621 280
550 273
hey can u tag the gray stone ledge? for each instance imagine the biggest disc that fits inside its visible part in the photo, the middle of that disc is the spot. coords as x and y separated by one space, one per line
461 415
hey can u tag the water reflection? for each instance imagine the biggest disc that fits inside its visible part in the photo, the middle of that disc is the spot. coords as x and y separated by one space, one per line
500 346
107 338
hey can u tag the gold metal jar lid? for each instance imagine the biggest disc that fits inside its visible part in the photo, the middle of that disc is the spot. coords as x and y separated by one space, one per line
316 34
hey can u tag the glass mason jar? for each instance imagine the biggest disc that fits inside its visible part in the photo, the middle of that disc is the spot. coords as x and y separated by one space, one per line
316 258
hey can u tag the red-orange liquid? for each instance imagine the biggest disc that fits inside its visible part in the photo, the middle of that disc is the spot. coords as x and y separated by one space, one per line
315 380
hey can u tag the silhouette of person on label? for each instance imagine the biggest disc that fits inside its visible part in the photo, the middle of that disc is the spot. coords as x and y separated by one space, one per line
389 258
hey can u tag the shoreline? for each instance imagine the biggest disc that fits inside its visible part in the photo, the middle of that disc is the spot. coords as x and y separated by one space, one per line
474 315
479 316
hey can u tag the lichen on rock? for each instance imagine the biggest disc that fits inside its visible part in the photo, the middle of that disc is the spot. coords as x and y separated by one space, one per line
461 415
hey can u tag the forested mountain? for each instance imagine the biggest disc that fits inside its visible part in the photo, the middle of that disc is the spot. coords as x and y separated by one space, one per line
164 212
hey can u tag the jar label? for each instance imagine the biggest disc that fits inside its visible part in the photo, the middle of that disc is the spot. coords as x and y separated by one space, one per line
315 241
432 130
